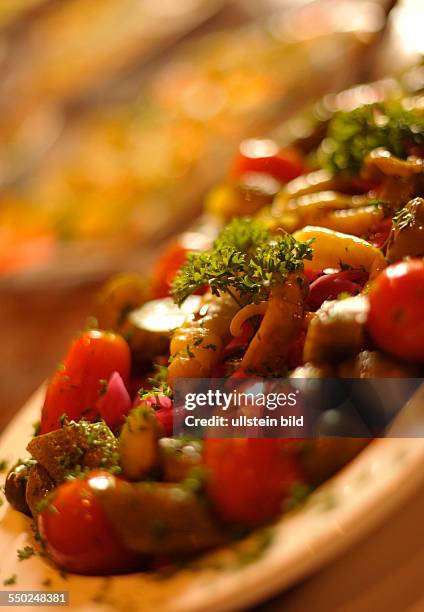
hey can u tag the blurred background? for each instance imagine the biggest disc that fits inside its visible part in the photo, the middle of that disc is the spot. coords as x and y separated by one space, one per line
117 117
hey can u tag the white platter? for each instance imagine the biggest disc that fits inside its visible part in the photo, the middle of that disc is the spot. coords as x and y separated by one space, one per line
360 497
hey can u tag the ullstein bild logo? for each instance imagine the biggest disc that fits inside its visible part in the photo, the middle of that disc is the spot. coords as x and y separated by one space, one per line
289 408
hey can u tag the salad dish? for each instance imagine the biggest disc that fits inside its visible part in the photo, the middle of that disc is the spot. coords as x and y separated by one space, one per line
316 271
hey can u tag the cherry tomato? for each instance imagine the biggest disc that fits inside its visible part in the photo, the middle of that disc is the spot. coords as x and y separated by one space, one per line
265 156
249 478
166 269
395 319
172 259
76 386
77 533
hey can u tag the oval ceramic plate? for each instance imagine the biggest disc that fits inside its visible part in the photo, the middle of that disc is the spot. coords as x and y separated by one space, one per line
362 495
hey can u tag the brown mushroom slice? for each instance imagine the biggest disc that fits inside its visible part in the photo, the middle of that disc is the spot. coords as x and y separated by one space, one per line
83 444
38 486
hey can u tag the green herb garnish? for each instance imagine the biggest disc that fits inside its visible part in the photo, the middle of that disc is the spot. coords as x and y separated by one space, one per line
404 218
10 581
244 261
299 492
25 553
159 384
353 135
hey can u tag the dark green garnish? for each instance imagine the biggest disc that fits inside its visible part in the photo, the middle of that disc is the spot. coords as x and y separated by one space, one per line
244 261
3 465
10 581
352 135
63 419
35 428
404 218
210 347
159 384
25 553
299 492
103 386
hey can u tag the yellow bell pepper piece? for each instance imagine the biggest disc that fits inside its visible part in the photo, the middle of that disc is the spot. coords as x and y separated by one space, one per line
331 247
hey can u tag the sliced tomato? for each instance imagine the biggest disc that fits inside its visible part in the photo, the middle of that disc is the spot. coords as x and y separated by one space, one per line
76 387
76 532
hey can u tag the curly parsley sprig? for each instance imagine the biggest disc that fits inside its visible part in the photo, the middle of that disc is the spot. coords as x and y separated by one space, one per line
245 260
352 135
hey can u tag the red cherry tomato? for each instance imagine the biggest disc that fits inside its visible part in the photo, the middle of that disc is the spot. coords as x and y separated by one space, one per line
173 259
249 478
76 386
266 157
77 533
395 320
166 269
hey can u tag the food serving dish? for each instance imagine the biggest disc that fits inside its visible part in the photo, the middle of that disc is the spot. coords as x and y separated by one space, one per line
381 479
315 272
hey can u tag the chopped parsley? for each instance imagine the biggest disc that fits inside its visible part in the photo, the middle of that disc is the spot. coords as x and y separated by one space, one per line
352 135
159 384
210 347
299 492
3 464
404 218
10 581
36 428
25 553
63 419
244 261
